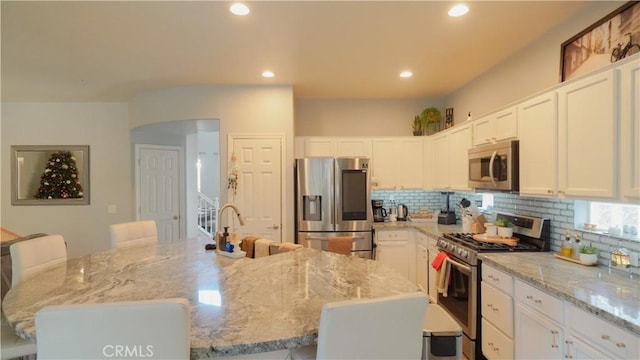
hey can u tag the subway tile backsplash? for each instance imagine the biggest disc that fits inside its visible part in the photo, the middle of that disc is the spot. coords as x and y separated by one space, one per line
559 211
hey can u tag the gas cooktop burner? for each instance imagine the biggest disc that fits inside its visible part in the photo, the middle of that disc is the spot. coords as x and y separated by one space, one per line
533 234
467 240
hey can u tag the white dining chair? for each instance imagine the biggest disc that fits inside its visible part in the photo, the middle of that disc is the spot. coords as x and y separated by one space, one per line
33 256
29 258
14 346
156 329
383 328
133 233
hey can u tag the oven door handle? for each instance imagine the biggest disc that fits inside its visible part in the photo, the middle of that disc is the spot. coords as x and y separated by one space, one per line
466 268
493 158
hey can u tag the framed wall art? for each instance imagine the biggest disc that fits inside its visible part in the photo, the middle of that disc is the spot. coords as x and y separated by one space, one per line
610 39
50 175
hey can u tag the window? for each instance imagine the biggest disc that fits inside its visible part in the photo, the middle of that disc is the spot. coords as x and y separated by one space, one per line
622 220
484 202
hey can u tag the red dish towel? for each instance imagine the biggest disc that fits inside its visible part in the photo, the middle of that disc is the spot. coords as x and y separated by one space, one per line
438 260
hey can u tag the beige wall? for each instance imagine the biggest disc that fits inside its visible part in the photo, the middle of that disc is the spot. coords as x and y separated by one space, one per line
240 109
358 117
105 128
533 69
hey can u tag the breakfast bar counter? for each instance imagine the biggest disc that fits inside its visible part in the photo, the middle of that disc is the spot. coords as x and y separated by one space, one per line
238 306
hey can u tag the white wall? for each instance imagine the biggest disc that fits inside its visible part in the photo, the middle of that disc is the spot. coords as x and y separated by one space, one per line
209 154
102 126
240 109
531 70
359 117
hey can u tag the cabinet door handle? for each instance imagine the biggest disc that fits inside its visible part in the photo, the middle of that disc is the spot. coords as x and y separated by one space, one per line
568 355
554 345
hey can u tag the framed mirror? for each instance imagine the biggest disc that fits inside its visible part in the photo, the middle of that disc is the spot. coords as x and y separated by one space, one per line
50 175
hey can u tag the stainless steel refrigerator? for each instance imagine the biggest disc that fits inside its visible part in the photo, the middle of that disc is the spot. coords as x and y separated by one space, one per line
333 199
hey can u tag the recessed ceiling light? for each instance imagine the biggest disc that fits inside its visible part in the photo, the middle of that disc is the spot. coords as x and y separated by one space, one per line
268 74
239 9
406 74
458 10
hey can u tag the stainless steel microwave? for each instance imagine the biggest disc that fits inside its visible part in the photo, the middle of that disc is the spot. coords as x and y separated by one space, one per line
495 167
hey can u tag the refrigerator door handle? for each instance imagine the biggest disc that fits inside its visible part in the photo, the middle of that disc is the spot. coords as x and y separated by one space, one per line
324 238
335 169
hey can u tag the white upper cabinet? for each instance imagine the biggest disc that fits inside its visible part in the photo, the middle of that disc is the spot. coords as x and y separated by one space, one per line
496 127
538 124
440 161
332 147
459 144
397 163
450 158
587 120
630 131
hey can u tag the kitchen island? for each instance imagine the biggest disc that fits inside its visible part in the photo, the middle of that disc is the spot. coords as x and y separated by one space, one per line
238 306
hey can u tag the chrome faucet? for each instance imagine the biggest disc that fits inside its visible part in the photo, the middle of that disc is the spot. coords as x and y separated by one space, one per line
222 209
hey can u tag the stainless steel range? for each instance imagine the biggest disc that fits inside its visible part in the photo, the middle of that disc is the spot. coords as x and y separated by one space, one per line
463 298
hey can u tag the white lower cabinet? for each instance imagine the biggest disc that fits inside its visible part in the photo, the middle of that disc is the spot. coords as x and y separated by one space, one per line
495 344
538 324
591 338
433 274
496 306
393 249
537 337
422 262
575 348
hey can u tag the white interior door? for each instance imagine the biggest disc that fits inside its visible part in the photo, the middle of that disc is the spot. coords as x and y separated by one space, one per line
159 188
259 195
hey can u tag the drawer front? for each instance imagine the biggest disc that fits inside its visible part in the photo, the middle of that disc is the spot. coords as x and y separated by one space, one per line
497 307
495 345
539 300
601 334
391 235
497 278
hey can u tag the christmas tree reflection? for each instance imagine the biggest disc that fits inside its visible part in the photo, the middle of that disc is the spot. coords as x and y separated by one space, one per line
60 178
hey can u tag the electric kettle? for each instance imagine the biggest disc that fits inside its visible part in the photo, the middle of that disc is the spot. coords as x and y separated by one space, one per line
403 212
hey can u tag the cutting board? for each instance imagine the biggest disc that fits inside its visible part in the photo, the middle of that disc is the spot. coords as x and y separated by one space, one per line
496 239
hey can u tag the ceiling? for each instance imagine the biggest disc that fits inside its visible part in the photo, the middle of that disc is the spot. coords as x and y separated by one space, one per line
111 51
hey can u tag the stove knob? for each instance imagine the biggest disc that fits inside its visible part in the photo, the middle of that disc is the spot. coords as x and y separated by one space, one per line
464 253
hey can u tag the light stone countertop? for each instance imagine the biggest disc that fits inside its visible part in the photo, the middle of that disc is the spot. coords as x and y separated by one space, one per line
238 306
609 294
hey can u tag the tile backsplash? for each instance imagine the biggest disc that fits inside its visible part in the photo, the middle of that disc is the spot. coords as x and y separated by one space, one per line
559 211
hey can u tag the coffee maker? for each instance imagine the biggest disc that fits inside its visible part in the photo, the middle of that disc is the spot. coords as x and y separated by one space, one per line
379 212
446 216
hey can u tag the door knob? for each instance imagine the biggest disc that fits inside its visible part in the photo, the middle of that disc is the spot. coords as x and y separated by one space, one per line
274 227
176 217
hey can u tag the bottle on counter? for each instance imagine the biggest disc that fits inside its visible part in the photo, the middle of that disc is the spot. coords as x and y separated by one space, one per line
567 246
576 246
224 240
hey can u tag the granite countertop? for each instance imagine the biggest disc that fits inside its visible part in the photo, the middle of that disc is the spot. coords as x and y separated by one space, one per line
610 294
238 306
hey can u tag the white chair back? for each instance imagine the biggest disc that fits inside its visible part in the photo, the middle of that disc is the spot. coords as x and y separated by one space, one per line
383 328
13 346
133 233
155 329
30 257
